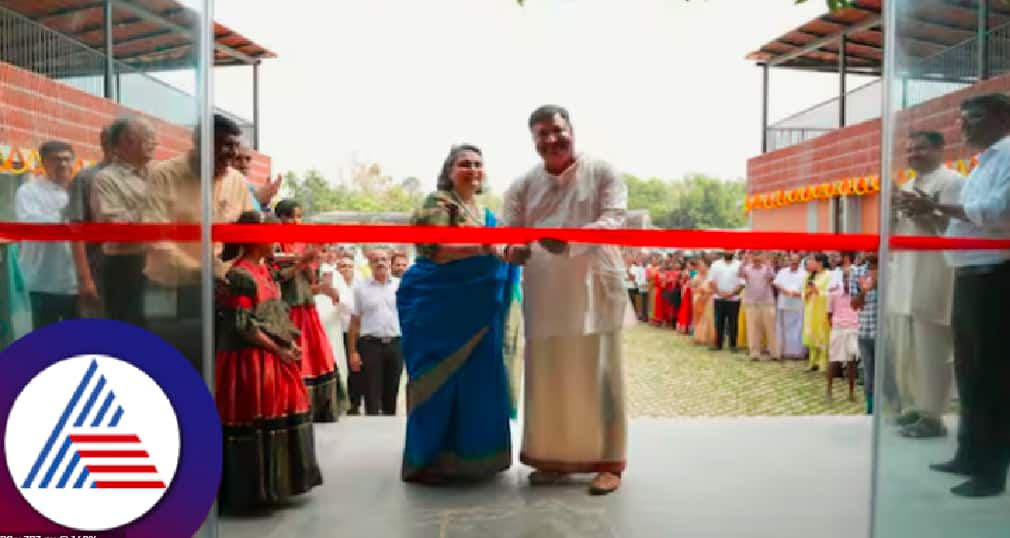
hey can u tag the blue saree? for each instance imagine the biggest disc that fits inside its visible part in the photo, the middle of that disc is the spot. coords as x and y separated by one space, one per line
452 318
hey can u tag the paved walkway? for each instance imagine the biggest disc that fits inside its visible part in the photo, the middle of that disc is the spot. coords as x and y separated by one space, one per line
667 376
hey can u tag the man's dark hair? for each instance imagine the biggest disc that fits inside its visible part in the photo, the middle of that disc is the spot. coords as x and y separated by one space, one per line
399 254
934 138
223 126
547 112
234 250
115 130
54 146
995 104
103 137
286 208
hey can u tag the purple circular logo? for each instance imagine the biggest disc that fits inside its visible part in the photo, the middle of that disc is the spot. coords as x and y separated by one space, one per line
107 429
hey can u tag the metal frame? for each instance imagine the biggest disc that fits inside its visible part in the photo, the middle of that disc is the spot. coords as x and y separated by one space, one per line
843 68
71 10
887 187
149 15
818 43
983 40
205 93
256 106
111 92
765 75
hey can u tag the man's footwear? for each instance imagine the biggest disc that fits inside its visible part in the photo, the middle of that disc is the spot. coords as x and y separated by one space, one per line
545 478
714 348
604 483
925 428
907 419
954 466
978 488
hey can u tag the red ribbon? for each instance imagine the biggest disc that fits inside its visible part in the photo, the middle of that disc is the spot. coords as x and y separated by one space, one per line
338 233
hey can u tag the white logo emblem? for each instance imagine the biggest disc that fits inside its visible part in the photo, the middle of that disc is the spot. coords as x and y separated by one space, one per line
92 443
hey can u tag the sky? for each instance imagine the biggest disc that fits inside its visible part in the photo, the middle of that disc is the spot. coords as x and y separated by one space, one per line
660 88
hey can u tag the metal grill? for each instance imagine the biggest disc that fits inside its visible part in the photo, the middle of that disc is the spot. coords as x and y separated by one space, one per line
935 76
31 46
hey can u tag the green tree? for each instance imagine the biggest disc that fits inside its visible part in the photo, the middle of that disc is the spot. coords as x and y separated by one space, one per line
368 190
693 202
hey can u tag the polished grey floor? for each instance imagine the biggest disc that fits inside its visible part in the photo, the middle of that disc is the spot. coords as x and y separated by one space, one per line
916 503
798 477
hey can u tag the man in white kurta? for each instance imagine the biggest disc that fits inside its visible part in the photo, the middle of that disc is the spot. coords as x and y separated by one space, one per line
919 302
574 309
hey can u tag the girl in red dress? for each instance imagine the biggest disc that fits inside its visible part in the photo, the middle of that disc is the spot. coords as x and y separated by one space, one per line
686 302
269 450
295 269
669 280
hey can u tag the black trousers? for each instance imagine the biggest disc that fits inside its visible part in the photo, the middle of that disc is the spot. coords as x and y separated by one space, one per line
643 312
124 284
982 369
184 330
727 314
381 369
49 308
355 391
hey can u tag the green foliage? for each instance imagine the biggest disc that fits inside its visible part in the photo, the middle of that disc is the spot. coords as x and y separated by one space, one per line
693 202
368 190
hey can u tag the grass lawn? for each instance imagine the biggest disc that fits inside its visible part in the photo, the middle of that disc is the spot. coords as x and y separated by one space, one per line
668 376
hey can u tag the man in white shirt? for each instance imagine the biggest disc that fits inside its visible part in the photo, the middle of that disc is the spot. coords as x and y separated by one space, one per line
48 267
724 279
637 271
789 283
981 291
374 337
574 304
919 297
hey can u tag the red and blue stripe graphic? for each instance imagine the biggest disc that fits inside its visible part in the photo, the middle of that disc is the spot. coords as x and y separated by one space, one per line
91 451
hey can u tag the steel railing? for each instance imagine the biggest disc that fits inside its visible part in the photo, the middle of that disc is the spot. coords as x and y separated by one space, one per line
31 46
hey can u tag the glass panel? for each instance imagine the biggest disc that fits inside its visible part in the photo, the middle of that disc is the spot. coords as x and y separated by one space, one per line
71 151
943 378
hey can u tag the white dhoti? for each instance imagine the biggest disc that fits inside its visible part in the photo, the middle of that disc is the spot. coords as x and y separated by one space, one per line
574 308
575 420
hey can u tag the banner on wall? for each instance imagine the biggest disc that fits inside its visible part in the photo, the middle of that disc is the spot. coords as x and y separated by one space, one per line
17 161
852 186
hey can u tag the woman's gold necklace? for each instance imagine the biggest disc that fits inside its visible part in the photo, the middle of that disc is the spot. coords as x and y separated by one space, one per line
466 208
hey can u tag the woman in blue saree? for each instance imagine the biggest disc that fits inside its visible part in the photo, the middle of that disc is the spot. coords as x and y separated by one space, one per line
453 304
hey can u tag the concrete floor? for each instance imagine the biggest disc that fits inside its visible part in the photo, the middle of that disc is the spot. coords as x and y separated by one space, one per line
748 477
916 502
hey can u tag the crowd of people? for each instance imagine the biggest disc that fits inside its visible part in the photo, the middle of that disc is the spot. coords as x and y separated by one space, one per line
287 316
777 305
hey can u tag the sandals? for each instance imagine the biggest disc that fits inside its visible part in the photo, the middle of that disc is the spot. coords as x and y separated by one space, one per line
605 483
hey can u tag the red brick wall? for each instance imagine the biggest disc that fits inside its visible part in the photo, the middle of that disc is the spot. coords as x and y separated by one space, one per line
34 109
853 152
